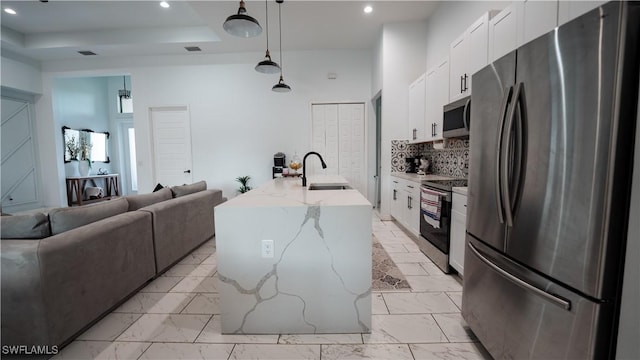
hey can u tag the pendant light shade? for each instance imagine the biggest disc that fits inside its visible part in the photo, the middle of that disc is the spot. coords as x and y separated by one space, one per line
241 24
281 86
267 66
124 93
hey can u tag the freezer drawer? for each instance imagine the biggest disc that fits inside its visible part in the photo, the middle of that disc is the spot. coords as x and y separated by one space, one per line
520 315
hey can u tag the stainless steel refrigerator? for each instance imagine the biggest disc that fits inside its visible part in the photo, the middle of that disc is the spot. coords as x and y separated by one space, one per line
552 139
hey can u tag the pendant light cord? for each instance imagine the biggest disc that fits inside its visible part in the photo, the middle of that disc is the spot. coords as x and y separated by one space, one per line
280 26
266 11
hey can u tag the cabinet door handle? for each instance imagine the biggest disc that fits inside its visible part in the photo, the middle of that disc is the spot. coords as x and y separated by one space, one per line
394 194
187 171
409 202
461 84
465 82
435 129
414 133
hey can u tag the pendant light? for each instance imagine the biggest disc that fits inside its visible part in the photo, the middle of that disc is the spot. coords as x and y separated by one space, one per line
281 86
267 66
124 93
241 24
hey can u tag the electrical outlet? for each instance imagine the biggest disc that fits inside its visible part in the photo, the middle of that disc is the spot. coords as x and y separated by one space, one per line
267 248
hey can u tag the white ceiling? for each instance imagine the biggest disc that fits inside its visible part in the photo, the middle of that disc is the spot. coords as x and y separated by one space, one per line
58 29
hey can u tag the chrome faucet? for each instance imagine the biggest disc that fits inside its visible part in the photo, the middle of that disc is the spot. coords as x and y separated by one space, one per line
304 166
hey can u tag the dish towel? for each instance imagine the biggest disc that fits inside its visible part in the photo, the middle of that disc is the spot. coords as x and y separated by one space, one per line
430 205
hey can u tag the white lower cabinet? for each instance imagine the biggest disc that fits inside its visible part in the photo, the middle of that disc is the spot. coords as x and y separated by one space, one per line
458 232
405 203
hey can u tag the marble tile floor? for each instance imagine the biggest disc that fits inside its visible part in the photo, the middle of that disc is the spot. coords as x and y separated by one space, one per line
177 316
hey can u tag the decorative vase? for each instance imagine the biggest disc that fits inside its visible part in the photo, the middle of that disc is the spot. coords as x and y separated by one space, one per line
84 167
72 168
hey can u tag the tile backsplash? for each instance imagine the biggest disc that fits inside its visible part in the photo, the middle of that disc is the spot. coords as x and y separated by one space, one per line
452 160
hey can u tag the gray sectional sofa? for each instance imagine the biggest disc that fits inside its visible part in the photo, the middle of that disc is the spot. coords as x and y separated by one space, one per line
62 271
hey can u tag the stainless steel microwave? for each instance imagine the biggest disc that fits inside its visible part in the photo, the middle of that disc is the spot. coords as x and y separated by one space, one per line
457 117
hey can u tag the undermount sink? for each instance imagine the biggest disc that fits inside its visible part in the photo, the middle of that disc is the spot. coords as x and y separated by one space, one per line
329 187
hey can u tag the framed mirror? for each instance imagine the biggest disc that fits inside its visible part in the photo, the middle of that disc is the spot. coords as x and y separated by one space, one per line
80 144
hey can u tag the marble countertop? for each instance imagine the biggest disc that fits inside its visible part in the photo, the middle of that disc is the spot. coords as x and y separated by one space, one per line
419 178
288 192
462 190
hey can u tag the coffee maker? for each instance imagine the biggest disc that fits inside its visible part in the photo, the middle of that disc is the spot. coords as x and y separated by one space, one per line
279 163
412 164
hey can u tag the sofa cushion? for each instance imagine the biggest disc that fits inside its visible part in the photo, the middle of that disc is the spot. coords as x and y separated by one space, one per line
65 219
183 190
30 226
138 201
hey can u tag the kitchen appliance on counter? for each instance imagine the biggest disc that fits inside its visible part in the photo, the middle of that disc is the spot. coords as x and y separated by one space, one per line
412 164
548 209
435 220
456 121
279 164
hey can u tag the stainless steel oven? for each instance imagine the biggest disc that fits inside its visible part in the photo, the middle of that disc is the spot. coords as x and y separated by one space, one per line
435 220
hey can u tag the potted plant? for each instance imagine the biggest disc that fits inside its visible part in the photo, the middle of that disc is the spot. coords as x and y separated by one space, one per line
244 183
73 149
84 167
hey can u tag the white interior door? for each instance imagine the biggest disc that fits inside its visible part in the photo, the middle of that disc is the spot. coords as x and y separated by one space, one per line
171 131
19 170
352 158
338 134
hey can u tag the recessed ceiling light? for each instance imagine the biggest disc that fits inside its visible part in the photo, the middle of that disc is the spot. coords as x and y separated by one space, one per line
10 11
164 4
368 9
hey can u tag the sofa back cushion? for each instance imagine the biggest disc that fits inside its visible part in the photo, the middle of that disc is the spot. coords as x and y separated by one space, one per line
139 201
183 190
29 226
65 219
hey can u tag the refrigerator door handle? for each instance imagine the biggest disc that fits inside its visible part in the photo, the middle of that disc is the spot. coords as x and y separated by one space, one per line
509 162
545 295
503 116
520 146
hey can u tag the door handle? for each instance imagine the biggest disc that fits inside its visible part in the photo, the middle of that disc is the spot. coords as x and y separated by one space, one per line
545 295
461 84
498 190
187 171
508 163
465 114
394 194
465 82
435 129
409 202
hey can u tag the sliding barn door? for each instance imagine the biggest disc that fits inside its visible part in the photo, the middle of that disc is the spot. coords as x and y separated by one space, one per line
338 134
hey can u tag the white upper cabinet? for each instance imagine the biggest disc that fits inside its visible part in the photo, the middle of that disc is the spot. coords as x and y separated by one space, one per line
437 97
502 33
569 10
457 67
468 54
536 18
417 109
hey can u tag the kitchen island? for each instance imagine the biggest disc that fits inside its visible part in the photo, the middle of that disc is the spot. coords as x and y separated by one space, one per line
295 260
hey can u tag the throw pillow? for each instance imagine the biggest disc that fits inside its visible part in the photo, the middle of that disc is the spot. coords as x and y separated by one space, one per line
183 190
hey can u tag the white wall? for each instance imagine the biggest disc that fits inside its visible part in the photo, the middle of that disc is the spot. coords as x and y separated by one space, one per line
403 60
450 20
20 73
237 122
